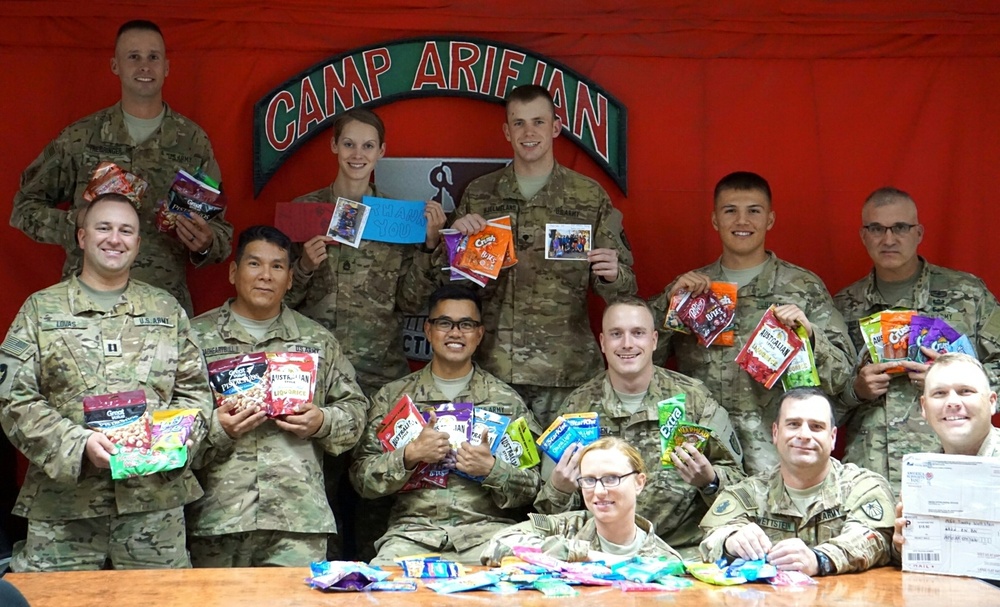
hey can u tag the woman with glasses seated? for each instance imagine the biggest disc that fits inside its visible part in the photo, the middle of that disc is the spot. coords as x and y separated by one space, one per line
612 474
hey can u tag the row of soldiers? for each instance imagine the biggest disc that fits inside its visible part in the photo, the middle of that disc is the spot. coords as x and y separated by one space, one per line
528 316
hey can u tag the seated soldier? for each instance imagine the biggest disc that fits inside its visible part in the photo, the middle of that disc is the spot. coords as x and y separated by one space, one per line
612 477
810 513
265 502
626 396
958 405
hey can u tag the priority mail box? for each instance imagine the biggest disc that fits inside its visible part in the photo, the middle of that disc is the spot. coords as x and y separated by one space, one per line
952 503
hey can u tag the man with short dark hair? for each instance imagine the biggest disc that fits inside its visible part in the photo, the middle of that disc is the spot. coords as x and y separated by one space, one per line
810 513
265 501
100 333
742 215
883 422
458 520
142 135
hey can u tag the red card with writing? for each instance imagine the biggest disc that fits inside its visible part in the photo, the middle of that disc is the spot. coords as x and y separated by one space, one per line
300 221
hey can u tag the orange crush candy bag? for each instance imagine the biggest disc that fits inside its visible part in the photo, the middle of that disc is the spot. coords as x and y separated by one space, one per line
725 292
895 337
486 251
511 257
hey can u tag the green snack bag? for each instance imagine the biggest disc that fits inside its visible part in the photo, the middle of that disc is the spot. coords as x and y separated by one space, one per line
692 434
554 587
802 370
672 412
126 463
871 330
520 444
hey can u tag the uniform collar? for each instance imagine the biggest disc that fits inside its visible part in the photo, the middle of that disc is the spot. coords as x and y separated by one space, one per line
921 290
761 286
508 188
828 498
80 302
654 394
283 329
166 134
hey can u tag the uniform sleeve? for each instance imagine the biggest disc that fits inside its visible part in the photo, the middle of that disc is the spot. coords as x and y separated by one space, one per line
345 408
865 540
610 234
539 531
53 443
725 518
222 230
375 473
660 304
988 334
49 180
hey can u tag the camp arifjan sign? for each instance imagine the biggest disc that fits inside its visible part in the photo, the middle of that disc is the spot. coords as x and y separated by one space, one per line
305 105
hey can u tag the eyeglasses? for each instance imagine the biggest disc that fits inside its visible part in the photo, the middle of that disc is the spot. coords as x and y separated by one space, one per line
611 480
445 324
898 229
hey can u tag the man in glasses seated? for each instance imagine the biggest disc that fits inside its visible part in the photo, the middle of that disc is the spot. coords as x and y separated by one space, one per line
810 513
612 477
884 420
458 519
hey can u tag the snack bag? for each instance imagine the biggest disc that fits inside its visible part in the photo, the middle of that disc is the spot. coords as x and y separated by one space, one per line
725 292
964 346
802 370
485 251
170 431
896 337
557 438
455 420
172 427
587 424
671 413
769 350
938 337
402 424
241 381
705 315
518 446
292 382
455 243
511 255
487 422
108 177
120 416
920 335
688 433
871 331
672 321
189 194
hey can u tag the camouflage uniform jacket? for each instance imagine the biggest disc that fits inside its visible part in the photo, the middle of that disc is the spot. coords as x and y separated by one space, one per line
880 432
751 406
851 521
674 506
990 446
269 478
360 295
569 536
537 326
466 513
64 168
53 357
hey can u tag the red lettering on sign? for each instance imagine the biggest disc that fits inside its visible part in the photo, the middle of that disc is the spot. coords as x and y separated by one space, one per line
557 88
309 109
585 111
491 56
508 60
461 67
283 98
374 71
344 89
429 70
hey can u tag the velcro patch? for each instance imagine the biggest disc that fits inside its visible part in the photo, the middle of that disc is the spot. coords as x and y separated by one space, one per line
745 498
15 346
152 321
540 522
873 510
8 369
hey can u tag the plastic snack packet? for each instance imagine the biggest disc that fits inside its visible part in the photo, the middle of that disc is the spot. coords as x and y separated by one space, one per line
108 177
802 370
671 413
686 433
170 431
553 587
241 381
486 250
475 581
402 424
430 568
896 337
292 381
769 350
455 243
510 258
587 424
120 416
557 438
705 315
189 194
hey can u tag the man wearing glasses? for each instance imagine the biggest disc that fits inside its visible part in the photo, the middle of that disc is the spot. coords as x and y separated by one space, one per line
884 420
459 519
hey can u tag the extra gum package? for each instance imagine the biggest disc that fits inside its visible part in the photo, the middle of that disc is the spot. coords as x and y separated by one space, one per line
241 381
121 416
672 413
769 350
292 382
896 337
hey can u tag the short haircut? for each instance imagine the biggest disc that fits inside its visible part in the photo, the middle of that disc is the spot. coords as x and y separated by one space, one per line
806 393
628 300
743 181
957 358
137 24
101 198
360 115
614 443
887 195
269 234
526 93
454 292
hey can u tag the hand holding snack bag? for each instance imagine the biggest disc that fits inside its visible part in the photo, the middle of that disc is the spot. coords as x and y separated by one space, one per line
705 316
896 337
486 250
188 194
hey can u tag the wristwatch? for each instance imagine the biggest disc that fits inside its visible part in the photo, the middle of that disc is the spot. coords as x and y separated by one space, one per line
712 488
823 563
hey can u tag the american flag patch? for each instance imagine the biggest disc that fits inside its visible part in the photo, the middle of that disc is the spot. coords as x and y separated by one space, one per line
14 346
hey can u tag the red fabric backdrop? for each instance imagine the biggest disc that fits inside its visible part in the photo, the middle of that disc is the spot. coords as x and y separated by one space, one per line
827 100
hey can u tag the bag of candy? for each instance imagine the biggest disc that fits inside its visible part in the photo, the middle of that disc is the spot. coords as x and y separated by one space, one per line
769 350
706 316
108 178
455 243
896 337
170 431
802 370
292 381
485 251
189 194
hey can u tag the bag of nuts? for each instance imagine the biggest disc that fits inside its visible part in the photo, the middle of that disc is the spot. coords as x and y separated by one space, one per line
121 416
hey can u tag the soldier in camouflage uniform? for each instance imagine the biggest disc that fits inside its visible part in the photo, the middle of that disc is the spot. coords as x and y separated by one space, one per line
143 135
458 520
611 476
265 501
538 329
810 513
742 215
626 397
884 421
94 334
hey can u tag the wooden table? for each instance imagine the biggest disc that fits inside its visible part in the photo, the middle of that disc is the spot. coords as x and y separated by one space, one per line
884 587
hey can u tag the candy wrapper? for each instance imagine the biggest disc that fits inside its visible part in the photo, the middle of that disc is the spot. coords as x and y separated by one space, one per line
475 581
241 381
671 415
170 431
587 424
802 370
725 292
871 332
769 350
292 382
553 587
896 337
648 569
485 251
455 244
189 194
557 438
518 446
705 315
791 578
485 422
121 417
108 178
710 573
402 424
344 576
686 433
664 584
933 333
430 568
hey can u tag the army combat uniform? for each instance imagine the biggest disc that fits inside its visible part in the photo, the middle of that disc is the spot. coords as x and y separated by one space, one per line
881 431
674 506
265 502
538 331
458 520
990 446
851 521
61 348
569 536
751 406
64 168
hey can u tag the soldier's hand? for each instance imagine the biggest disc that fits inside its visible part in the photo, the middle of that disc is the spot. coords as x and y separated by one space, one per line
430 447
692 465
314 253
239 423
898 525
873 381
750 543
567 469
469 224
475 460
604 264
304 423
434 213
793 555
917 372
793 316
194 232
99 450
694 282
